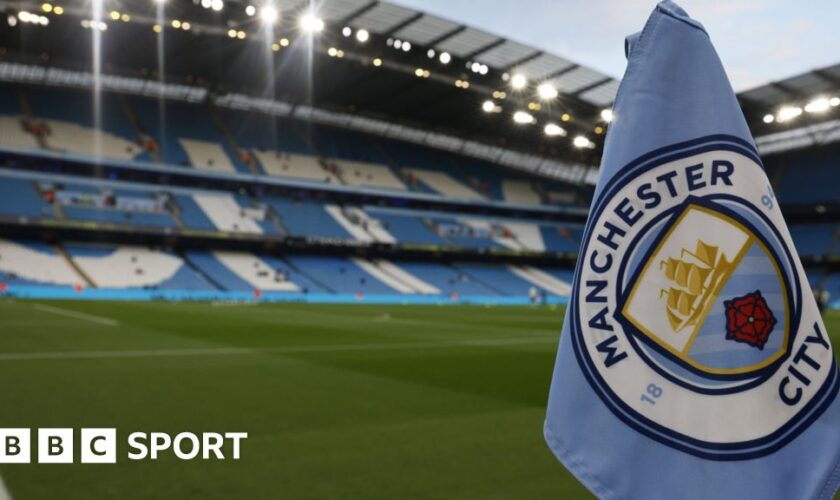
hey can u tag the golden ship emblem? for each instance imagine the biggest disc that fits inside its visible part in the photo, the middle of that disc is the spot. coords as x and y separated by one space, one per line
697 278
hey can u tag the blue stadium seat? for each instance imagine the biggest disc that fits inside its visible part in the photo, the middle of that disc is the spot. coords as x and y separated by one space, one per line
265 132
207 263
447 279
813 239
806 176
19 197
409 228
561 238
307 218
496 276
306 284
192 215
343 275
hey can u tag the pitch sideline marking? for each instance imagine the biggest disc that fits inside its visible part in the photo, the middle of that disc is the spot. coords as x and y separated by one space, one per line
228 351
75 314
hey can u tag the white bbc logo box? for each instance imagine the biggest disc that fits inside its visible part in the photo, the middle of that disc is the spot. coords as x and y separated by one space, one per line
55 446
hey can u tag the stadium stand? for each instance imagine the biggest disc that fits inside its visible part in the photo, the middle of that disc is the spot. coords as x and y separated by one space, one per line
342 275
295 166
307 218
508 282
296 158
520 192
35 263
133 267
207 155
13 133
18 197
355 173
813 239
805 176
256 272
228 214
444 184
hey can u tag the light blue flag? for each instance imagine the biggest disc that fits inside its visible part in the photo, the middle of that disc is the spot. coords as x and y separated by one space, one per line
693 361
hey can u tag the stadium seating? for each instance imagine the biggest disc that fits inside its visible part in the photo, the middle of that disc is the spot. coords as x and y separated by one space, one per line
407 228
70 123
356 173
134 267
521 192
256 272
562 238
541 279
444 184
395 277
512 280
806 176
359 224
306 218
13 134
227 214
191 214
229 141
813 239
295 166
207 155
341 275
449 280
18 197
35 263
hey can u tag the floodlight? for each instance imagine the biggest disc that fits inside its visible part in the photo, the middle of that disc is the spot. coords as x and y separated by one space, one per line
546 91
818 105
444 57
362 35
554 130
311 23
269 14
788 113
581 142
488 106
607 115
518 81
768 118
523 118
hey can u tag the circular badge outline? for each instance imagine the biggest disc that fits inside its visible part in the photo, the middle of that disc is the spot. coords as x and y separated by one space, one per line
794 299
722 451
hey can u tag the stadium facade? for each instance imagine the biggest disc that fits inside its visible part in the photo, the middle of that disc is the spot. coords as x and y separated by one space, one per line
359 152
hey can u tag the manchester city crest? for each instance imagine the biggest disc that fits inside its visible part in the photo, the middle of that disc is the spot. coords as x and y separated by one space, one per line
687 308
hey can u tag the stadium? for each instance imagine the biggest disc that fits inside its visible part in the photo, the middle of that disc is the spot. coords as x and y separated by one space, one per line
348 229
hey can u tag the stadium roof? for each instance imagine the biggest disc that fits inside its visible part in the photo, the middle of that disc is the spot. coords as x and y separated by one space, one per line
476 45
796 91
227 50
796 112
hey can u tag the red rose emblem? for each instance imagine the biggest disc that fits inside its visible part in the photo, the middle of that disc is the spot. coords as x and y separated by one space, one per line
749 320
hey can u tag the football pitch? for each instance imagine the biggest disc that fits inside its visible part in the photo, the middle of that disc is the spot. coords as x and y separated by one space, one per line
340 401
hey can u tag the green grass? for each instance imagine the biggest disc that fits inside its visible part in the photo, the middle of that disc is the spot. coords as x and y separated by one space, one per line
339 401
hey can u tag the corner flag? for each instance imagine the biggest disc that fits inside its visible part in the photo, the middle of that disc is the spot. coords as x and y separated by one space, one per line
693 361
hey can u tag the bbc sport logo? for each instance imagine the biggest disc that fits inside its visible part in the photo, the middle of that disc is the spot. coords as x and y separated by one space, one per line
100 445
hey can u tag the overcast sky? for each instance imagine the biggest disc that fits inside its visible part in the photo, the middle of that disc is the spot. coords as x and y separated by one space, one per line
758 40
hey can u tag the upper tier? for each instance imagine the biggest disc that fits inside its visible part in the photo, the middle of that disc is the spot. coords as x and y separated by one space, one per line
215 140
